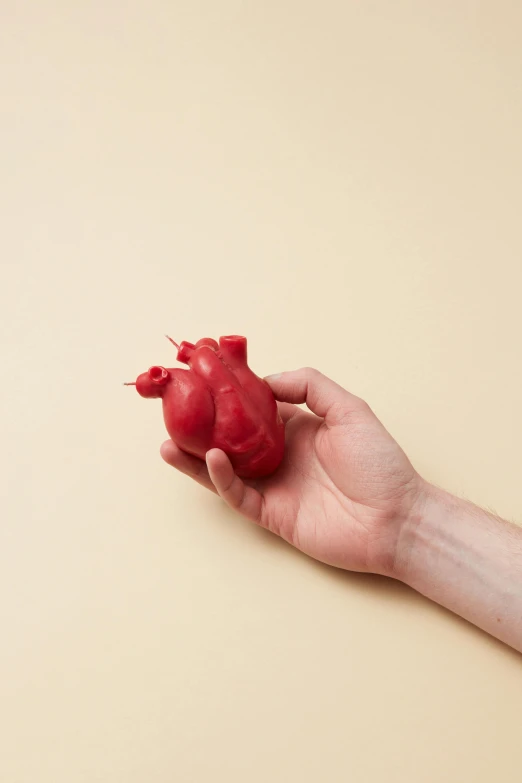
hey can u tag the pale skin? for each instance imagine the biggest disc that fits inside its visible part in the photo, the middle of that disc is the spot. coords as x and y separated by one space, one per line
346 494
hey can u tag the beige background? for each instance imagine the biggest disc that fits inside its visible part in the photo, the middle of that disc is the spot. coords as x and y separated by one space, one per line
342 183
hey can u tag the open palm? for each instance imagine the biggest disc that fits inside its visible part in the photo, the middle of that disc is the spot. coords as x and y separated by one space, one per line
344 487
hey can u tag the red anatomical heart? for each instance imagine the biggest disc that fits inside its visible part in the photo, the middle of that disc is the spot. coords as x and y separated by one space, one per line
219 403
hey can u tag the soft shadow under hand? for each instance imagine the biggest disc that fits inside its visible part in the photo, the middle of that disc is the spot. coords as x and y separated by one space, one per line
381 588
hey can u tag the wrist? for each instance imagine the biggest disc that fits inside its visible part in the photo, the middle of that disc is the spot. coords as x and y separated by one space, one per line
390 553
466 560
417 530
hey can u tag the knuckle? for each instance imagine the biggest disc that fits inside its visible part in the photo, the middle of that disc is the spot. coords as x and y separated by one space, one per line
347 412
310 374
362 405
241 496
340 413
229 488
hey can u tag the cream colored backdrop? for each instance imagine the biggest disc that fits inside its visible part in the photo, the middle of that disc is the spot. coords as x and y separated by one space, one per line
342 183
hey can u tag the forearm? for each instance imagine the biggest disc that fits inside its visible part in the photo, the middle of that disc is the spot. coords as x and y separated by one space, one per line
466 560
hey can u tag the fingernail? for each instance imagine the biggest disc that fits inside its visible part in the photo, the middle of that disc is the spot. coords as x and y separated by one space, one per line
275 377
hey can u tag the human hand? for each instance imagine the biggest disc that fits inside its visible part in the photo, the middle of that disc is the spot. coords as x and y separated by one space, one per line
344 488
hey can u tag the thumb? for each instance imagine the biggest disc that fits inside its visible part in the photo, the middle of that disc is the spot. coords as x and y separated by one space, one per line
323 396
